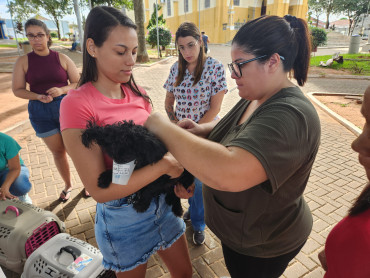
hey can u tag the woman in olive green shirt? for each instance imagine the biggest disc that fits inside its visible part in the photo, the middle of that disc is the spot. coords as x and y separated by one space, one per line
256 169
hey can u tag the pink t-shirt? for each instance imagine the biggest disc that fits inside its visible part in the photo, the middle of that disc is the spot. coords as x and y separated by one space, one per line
87 103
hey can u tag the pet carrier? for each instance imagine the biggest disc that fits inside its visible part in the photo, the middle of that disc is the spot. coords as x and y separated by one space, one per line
23 229
64 256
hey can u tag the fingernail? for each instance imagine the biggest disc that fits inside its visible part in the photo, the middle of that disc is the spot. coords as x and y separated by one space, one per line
188 190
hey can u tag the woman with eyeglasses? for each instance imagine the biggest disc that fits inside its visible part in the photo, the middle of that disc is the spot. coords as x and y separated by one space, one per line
50 75
197 84
256 161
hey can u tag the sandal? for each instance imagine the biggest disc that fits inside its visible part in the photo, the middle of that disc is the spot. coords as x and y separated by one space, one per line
65 195
86 193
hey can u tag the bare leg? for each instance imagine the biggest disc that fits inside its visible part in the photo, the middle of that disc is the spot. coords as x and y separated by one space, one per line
177 259
56 146
138 272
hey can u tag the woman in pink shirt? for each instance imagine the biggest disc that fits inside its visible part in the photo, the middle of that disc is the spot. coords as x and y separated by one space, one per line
107 94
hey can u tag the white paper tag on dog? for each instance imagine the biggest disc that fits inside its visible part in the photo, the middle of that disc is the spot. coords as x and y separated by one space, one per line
122 172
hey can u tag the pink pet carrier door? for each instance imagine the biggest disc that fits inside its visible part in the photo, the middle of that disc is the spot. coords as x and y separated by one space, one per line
23 229
39 236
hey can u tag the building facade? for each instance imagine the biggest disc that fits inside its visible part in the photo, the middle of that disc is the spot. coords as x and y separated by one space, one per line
221 19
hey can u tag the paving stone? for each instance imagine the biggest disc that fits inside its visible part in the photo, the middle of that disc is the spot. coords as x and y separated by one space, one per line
296 270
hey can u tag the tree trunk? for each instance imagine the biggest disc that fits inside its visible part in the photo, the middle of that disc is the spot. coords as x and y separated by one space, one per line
79 24
56 21
327 21
142 54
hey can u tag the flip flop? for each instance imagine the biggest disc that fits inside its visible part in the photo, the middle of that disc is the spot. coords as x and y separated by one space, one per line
66 195
86 193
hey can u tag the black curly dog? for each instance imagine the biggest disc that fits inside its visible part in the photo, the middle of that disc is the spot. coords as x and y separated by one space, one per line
123 142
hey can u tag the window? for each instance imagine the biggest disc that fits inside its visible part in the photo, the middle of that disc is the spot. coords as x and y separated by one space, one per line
168 7
207 3
186 6
236 2
238 25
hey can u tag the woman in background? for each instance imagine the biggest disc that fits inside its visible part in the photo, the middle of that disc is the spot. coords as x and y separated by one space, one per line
197 84
50 76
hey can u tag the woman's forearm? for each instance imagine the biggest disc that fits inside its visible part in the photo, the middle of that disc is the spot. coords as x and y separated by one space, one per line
10 178
196 154
223 168
25 94
70 86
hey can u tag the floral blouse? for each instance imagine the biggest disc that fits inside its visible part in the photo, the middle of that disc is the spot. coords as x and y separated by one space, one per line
194 101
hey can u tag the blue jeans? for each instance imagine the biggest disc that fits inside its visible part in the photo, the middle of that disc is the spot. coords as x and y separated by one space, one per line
21 185
196 208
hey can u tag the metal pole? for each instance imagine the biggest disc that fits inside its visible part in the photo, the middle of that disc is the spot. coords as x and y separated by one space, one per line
199 14
15 32
156 22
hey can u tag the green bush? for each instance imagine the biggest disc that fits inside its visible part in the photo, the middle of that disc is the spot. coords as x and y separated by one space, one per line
318 37
164 36
53 34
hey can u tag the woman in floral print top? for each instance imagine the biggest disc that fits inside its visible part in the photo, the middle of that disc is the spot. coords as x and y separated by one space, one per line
197 85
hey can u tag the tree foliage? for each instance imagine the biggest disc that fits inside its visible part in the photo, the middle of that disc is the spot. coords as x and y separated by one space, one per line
318 37
327 6
55 8
164 36
153 21
353 9
128 4
21 10
315 8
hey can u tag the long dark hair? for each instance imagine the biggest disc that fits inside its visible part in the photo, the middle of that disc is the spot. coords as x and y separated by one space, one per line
362 202
36 22
187 29
99 23
288 36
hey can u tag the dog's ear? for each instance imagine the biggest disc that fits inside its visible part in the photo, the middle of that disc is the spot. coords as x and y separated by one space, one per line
91 134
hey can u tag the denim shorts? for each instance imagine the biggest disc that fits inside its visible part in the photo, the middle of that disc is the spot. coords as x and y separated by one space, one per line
44 117
128 238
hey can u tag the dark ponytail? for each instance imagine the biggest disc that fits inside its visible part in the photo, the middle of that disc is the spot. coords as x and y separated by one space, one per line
302 61
288 36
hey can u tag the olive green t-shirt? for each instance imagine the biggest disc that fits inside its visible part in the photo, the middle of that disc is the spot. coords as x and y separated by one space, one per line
272 218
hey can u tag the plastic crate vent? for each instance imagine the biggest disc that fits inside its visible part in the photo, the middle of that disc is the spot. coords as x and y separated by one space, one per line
41 235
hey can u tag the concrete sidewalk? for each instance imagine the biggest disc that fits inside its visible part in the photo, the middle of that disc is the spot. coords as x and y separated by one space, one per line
336 179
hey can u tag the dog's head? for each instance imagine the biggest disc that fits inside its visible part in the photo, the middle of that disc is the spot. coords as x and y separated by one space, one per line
124 141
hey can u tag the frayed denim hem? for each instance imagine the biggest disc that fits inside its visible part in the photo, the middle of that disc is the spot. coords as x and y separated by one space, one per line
160 246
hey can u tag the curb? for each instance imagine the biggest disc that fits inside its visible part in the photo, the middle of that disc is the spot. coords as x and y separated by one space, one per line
153 64
333 76
354 129
17 128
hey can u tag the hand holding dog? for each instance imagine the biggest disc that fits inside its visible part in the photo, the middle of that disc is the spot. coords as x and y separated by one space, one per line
183 193
174 168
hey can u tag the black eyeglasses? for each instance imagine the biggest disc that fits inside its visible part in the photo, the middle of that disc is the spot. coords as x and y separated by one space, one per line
237 67
32 37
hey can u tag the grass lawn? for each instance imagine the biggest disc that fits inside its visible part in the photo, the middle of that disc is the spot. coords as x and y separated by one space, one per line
8 45
358 64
